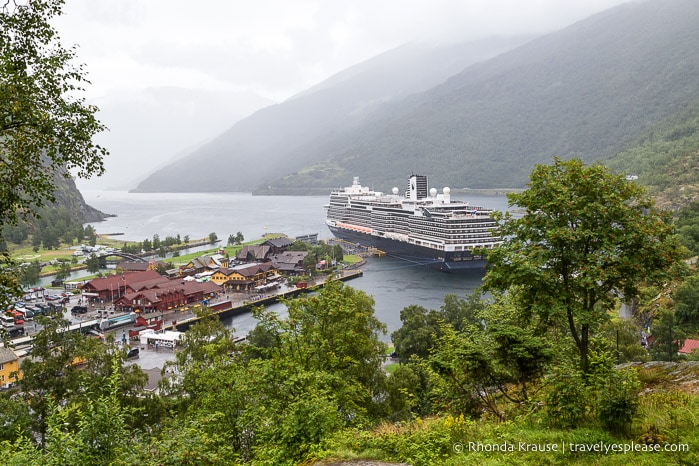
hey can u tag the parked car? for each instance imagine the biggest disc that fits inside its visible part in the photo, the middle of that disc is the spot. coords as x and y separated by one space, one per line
78 310
14 331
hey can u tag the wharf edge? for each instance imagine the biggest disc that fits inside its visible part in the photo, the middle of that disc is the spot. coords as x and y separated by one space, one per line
171 324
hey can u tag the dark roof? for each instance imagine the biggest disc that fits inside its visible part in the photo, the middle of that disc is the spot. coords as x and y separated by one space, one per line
7 355
289 257
254 252
130 266
133 266
282 242
154 374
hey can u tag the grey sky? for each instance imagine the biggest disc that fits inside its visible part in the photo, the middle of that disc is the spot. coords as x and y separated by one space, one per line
170 74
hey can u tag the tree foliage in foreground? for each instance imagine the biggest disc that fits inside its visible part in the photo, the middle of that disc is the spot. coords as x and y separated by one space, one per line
500 358
586 238
46 128
421 328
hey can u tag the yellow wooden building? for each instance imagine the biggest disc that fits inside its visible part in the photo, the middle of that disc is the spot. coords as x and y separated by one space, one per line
245 277
9 367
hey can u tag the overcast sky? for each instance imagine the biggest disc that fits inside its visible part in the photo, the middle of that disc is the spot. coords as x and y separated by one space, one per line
171 74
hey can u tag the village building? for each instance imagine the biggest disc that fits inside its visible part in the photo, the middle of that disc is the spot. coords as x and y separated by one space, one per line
107 289
257 253
155 282
203 264
196 265
245 277
689 346
163 296
264 251
140 266
9 367
290 262
277 245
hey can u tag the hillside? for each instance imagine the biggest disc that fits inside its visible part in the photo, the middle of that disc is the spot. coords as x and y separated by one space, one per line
589 91
665 160
68 196
592 90
283 138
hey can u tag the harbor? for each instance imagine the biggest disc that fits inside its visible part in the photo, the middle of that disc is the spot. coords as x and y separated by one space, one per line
156 332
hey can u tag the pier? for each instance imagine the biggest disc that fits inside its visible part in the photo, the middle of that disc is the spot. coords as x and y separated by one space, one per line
181 320
175 320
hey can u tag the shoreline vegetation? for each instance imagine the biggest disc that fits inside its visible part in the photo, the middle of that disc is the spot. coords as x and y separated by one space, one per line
25 253
65 251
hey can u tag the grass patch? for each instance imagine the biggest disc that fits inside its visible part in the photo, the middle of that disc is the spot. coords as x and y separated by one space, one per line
351 259
665 430
455 441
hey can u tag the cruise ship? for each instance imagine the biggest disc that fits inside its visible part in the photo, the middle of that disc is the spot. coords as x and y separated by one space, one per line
420 226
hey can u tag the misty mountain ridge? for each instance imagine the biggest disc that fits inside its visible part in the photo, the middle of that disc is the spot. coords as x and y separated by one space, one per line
590 90
232 162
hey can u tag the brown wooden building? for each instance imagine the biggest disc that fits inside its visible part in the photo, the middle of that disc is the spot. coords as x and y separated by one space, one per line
168 296
107 289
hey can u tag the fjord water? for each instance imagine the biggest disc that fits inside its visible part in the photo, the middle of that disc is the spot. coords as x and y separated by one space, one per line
393 283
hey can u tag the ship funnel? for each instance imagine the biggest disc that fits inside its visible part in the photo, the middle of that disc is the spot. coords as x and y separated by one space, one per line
417 187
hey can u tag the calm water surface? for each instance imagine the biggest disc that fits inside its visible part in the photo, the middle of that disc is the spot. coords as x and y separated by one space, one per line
394 284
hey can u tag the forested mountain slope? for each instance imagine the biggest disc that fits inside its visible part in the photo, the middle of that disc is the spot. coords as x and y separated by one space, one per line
589 91
279 139
667 160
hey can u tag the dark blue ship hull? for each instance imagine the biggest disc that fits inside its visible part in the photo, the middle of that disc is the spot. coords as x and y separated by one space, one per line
446 262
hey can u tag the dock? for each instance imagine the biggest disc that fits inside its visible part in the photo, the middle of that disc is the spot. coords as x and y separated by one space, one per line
173 320
179 320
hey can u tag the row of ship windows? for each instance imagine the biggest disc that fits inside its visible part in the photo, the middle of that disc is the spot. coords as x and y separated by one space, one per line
341 210
393 219
363 221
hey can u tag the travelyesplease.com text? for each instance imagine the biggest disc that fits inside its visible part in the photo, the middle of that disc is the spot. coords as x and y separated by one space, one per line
567 447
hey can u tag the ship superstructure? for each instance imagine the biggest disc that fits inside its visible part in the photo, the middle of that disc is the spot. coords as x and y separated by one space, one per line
420 225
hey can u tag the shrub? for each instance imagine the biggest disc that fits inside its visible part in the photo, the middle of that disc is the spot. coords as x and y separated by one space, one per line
568 398
617 401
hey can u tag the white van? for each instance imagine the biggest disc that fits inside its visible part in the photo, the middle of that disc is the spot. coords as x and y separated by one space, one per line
7 320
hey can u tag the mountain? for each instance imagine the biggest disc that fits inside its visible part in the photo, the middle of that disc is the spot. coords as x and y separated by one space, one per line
591 90
665 161
258 148
69 198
